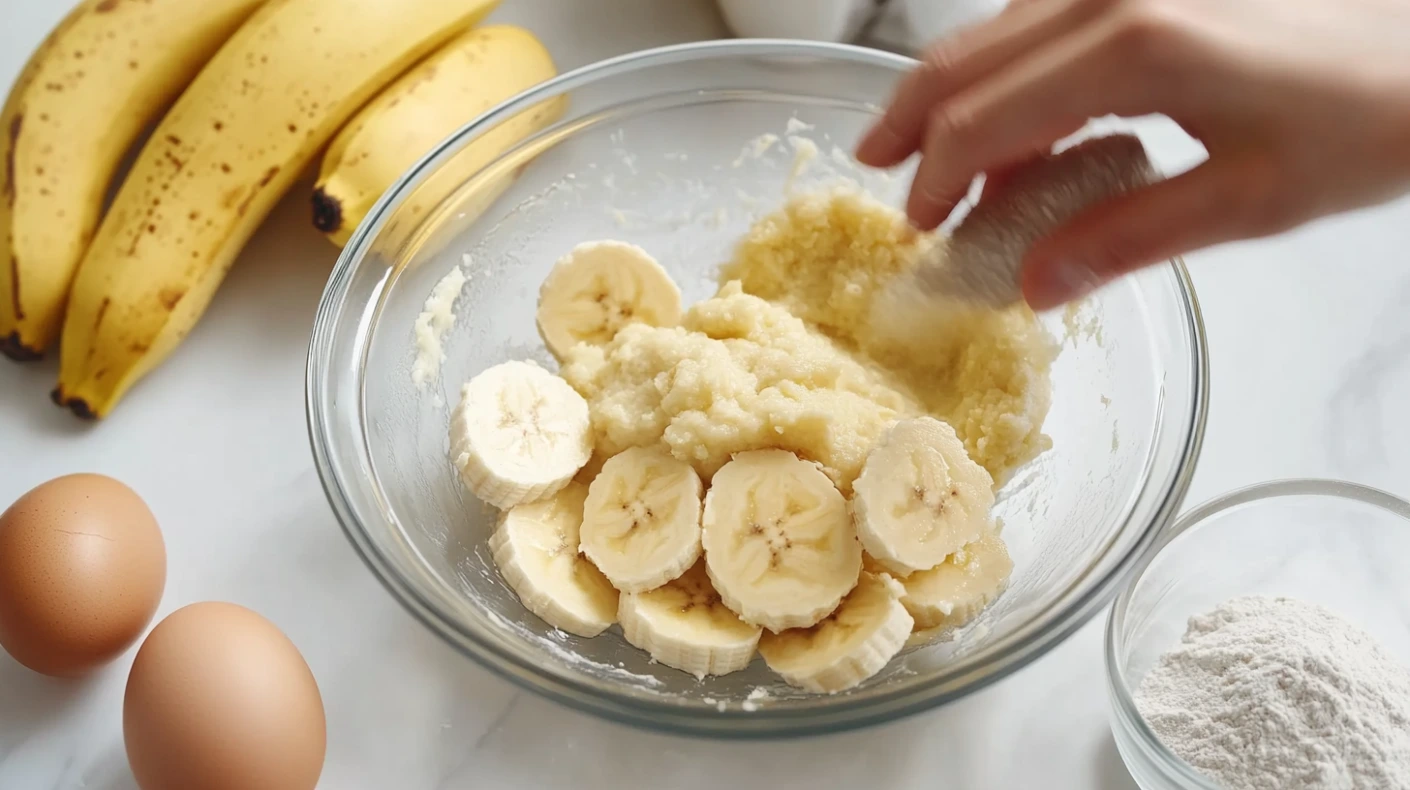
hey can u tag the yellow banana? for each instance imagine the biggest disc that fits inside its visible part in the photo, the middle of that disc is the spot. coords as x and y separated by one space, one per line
231 145
451 87
84 97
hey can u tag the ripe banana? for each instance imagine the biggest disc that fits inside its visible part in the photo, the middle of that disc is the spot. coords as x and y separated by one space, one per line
854 643
686 626
216 164
83 98
779 543
462 80
519 434
920 497
535 547
600 287
954 592
641 524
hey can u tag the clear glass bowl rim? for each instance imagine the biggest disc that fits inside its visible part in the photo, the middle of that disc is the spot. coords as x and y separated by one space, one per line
1123 703
836 715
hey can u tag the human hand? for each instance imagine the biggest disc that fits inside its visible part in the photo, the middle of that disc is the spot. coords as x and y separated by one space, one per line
1302 105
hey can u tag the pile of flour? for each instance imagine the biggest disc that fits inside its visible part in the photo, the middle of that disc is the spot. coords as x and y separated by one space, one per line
1279 694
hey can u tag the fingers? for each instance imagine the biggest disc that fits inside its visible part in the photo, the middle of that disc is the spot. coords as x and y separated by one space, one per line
944 178
1020 110
1208 205
954 63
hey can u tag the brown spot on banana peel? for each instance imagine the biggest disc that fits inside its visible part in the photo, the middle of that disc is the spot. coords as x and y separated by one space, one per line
261 184
98 321
106 6
15 287
231 197
170 297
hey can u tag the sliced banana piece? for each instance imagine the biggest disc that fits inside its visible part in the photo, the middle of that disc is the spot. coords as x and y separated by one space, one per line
641 523
920 497
685 625
954 592
536 548
779 542
600 287
854 643
519 434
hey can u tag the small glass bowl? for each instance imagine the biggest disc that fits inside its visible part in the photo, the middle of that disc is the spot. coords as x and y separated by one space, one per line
1327 542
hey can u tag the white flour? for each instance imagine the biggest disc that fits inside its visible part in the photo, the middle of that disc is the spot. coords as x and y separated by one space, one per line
1278 694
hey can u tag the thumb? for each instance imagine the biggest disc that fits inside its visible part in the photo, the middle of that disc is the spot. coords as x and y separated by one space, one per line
1196 209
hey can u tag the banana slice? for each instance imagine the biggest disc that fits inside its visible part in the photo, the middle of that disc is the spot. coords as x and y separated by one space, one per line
641 524
685 625
854 643
519 434
600 287
536 549
954 592
779 543
919 497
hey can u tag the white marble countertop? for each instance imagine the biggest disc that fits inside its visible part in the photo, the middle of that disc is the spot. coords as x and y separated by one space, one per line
1310 340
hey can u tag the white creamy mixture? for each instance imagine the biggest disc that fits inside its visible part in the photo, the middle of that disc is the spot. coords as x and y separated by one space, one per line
437 317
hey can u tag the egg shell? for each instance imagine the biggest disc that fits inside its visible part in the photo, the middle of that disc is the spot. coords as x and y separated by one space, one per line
82 569
220 699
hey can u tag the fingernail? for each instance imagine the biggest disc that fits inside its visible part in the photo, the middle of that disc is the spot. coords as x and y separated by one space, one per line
1060 281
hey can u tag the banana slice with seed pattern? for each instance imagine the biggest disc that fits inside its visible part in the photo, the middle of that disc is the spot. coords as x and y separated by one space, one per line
600 287
685 625
519 434
536 548
920 497
954 592
852 644
779 543
641 523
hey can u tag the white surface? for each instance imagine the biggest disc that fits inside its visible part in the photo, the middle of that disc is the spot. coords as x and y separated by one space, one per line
1310 341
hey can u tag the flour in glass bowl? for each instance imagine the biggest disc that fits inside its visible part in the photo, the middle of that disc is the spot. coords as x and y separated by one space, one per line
1279 694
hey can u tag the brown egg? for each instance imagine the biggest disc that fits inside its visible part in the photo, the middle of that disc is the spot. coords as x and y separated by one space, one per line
220 699
82 568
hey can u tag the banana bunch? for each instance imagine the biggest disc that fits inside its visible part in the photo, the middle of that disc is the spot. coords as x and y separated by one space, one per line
768 558
243 94
85 96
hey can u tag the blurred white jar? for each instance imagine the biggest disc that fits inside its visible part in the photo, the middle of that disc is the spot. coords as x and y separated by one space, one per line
932 19
818 20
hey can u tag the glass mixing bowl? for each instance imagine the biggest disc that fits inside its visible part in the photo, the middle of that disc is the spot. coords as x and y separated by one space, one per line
1327 542
677 150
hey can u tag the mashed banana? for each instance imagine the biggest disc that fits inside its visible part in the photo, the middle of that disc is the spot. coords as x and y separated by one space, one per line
784 356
